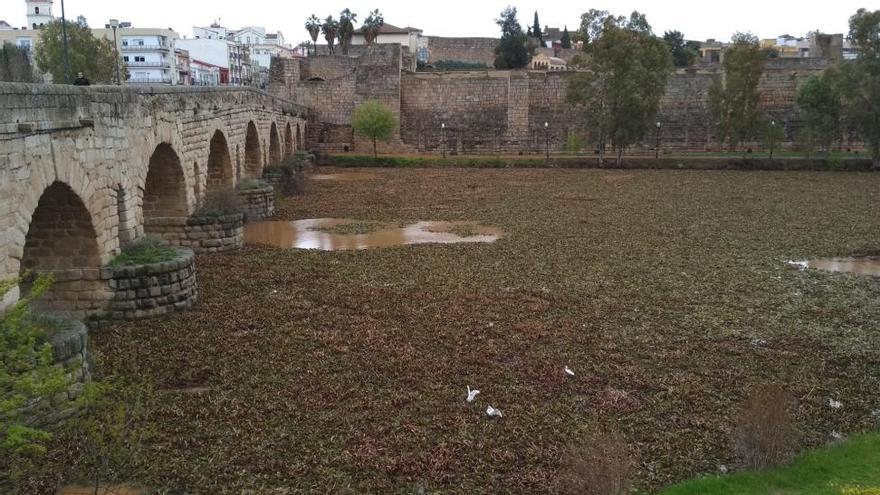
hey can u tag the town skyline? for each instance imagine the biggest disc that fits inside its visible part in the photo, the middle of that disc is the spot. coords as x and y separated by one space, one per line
682 15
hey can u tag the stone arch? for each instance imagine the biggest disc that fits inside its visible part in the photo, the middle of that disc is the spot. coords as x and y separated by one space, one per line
61 240
253 157
299 142
221 175
274 146
288 140
164 190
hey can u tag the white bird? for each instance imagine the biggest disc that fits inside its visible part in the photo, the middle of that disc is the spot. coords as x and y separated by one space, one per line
472 394
835 404
493 413
568 371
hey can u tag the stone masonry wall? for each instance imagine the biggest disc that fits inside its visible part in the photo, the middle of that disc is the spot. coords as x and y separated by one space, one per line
208 234
258 203
479 50
143 291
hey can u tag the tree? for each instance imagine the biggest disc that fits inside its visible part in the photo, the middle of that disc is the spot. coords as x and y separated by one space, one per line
372 24
329 29
374 121
94 57
15 64
592 23
536 29
313 26
347 19
819 102
512 52
684 53
734 100
565 41
620 93
860 88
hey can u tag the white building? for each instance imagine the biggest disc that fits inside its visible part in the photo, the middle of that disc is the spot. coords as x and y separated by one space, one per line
232 60
39 13
203 73
147 53
408 36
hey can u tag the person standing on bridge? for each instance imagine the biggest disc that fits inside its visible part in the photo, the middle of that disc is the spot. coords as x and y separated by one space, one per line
80 80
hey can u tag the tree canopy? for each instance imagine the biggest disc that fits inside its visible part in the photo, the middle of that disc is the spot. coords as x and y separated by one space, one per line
684 53
347 20
372 24
860 84
15 64
94 57
512 52
628 69
374 121
734 100
330 28
537 32
565 41
313 26
819 102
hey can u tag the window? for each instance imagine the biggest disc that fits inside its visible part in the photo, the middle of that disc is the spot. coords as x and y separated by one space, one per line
140 59
37 10
35 25
125 58
124 42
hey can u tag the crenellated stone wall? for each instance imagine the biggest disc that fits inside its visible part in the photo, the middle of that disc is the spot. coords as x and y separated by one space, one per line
475 50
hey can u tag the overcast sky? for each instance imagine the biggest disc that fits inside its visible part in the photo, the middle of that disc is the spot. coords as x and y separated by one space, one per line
696 19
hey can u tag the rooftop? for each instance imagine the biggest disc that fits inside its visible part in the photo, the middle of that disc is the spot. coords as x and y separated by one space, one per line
392 29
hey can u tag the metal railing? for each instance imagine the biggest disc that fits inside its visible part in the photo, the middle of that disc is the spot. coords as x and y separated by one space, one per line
128 48
148 64
150 80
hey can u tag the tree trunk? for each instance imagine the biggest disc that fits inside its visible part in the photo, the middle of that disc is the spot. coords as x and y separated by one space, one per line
875 162
619 156
375 155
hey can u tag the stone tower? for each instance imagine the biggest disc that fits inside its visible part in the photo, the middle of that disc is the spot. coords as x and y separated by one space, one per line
39 12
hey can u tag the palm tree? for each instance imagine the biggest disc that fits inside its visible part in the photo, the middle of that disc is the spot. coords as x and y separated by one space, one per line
313 26
330 28
372 24
347 19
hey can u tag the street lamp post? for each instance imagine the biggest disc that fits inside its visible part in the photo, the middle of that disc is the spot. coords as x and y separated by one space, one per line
547 140
114 23
443 137
772 137
64 43
657 143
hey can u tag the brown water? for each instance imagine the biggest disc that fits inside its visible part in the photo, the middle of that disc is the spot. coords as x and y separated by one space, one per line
303 234
868 265
345 176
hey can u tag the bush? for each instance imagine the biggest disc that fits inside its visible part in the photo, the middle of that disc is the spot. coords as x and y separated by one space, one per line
251 184
764 433
220 203
29 380
600 465
144 251
573 142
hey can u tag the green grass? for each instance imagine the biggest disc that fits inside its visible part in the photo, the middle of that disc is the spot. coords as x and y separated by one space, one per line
251 184
828 471
144 252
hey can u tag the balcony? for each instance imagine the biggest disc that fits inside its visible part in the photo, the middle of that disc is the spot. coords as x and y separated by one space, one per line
148 63
150 80
141 48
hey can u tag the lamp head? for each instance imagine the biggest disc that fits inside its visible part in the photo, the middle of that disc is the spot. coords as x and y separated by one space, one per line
114 23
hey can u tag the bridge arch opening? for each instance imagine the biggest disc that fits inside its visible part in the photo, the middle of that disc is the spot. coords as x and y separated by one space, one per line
288 140
165 188
299 143
274 146
62 241
252 154
221 175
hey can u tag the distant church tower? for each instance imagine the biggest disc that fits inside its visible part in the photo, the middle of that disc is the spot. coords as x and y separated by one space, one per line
39 12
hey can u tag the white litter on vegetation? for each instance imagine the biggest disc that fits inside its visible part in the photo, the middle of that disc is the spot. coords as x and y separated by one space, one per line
568 371
472 394
493 413
835 404
800 265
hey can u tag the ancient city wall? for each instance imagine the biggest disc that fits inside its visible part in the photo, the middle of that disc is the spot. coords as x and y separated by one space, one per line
504 111
476 50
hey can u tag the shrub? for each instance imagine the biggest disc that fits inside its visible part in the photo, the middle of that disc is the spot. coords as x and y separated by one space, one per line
573 142
220 203
764 432
143 252
600 465
28 381
251 184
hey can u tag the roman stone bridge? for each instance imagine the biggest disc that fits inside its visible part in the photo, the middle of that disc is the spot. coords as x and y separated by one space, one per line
83 171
